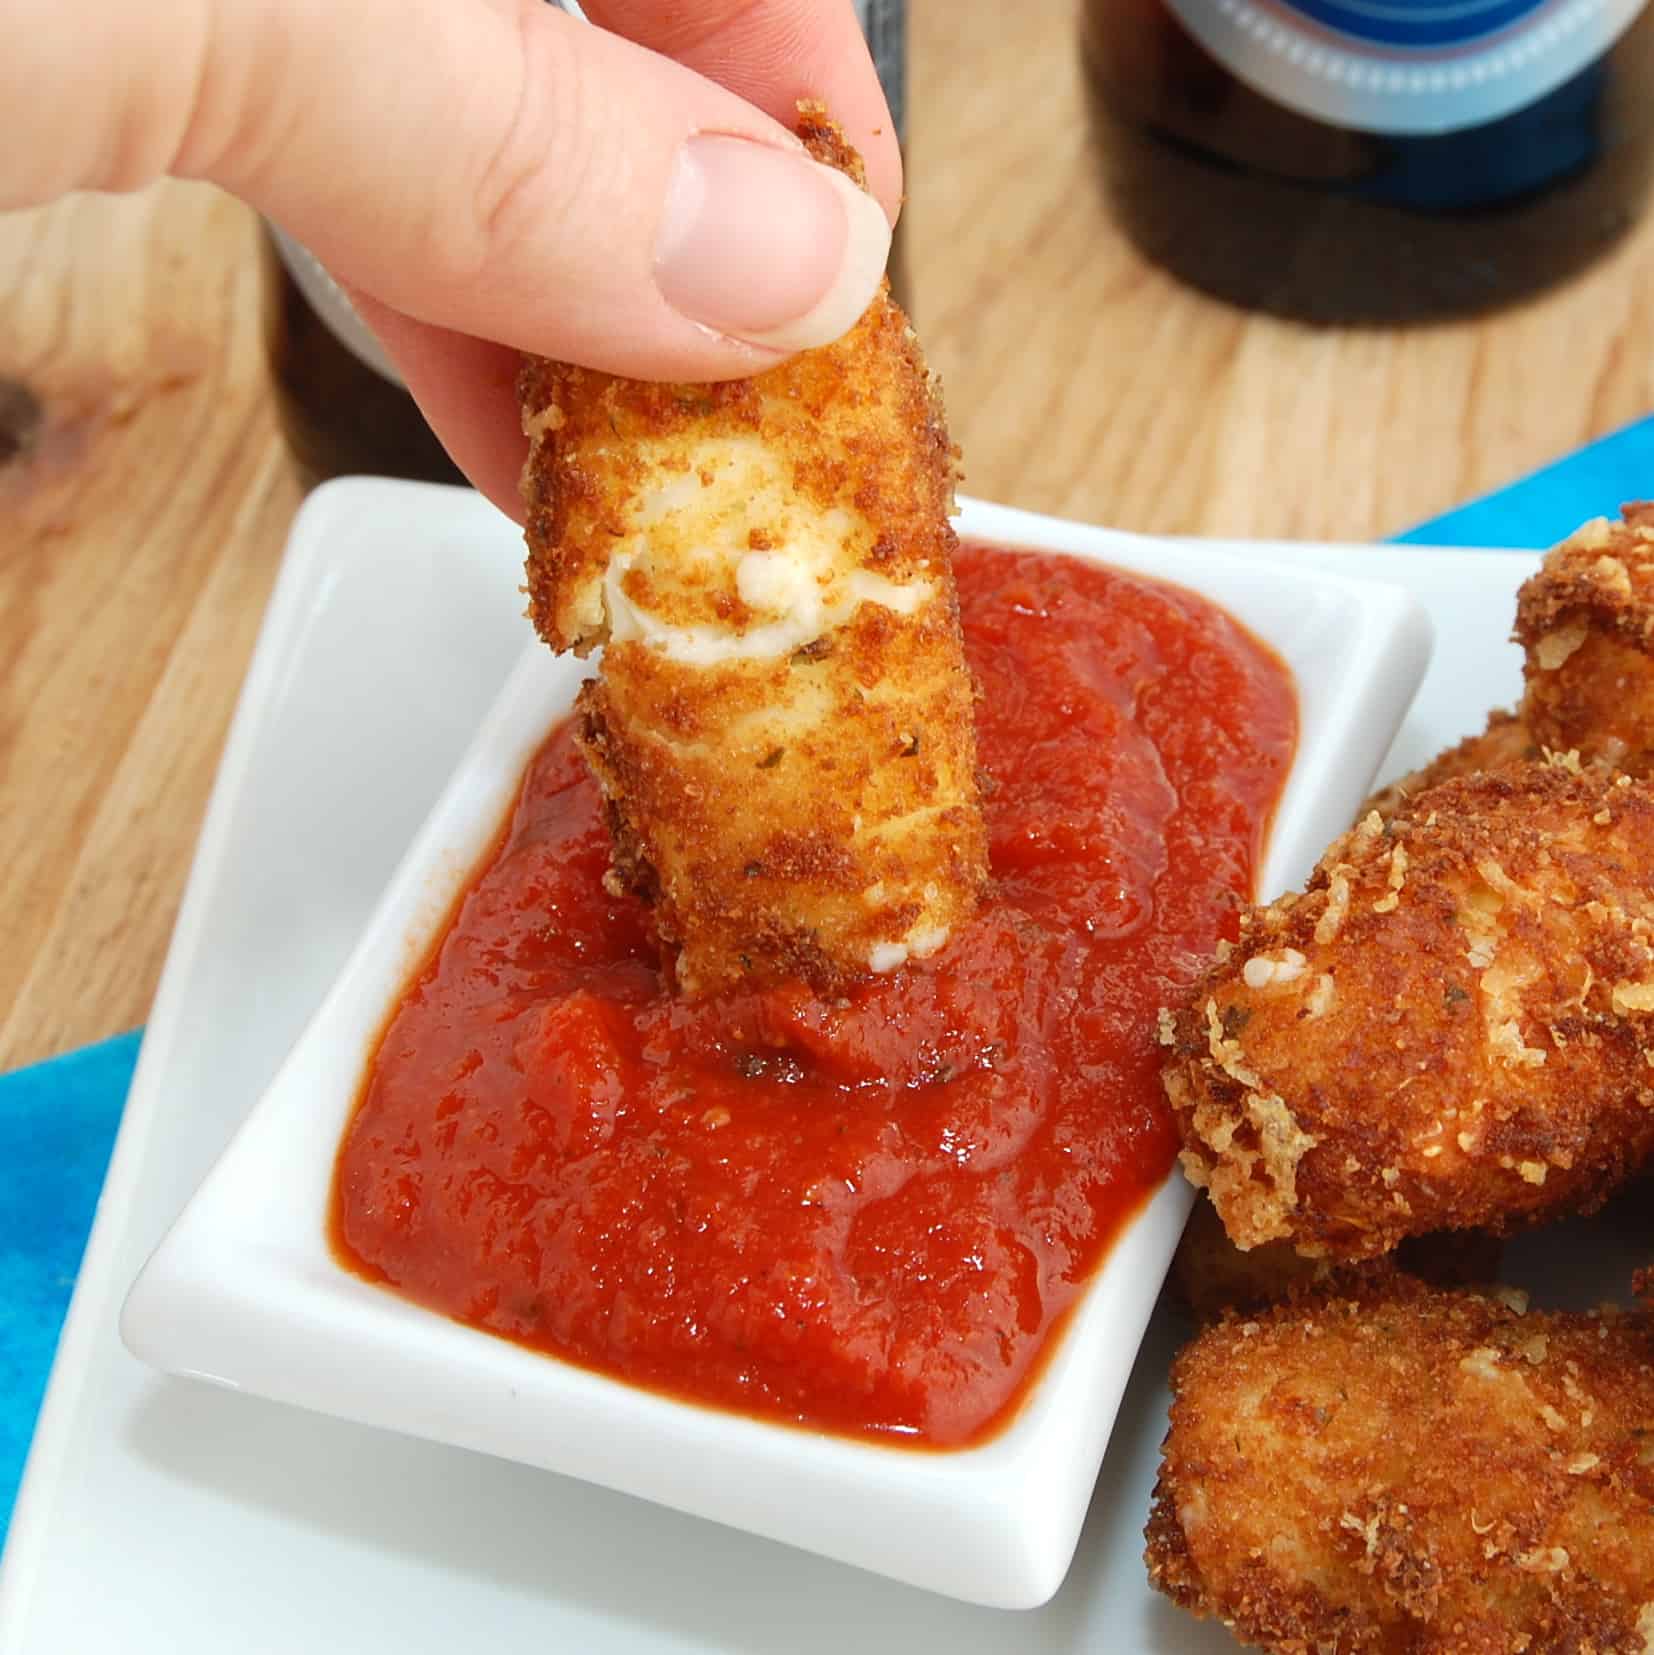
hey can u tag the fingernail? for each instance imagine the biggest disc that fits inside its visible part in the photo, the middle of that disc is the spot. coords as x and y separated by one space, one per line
767 246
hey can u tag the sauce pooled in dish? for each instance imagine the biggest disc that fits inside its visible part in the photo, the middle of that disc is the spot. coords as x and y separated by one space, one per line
867 1213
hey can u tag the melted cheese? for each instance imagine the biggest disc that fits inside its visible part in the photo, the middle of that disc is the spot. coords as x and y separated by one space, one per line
806 608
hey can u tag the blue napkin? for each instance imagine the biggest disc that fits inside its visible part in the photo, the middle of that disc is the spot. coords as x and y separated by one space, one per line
1541 509
57 1124
58 1119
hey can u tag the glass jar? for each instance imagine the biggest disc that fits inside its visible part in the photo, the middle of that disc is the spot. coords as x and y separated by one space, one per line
1351 161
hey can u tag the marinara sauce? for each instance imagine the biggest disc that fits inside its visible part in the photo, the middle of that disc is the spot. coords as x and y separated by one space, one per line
867 1215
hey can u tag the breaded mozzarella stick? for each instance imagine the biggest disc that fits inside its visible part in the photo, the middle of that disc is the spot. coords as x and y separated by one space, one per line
1210 1274
1586 620
783 722
1412 1472
1452 1027
1504 742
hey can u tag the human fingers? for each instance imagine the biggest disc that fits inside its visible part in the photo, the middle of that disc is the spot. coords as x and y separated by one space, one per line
466 389
774 53
491 167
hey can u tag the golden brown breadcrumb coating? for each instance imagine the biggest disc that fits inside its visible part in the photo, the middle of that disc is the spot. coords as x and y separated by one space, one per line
1407 1471
1453 1026
1504 742
1210 1274
1586 621
783 724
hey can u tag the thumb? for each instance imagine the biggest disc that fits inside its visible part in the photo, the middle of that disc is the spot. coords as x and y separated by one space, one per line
498 169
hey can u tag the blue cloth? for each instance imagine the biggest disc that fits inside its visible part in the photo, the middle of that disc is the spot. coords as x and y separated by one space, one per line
58 1119
57 1124
1541 509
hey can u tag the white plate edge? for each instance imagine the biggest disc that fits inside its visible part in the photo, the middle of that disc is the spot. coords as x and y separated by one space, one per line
94 1284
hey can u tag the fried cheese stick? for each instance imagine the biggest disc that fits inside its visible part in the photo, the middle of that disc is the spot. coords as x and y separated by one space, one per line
1453 1027
1586 622
1210 1274
1505 741
1408 1471
783 721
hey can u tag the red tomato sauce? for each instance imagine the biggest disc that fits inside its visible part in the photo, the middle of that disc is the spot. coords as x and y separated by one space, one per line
868 1215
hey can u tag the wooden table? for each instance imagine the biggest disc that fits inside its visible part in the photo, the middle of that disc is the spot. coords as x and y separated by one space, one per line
139 541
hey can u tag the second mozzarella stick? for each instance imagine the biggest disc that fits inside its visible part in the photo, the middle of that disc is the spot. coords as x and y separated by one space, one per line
1452 1027
1586 621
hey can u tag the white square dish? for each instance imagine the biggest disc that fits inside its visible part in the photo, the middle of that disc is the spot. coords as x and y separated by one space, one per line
244 1291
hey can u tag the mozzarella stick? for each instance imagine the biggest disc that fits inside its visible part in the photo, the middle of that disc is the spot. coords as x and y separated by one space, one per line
1586 621
1453 1027
782 723
1586 624
1401 1469
1210 1274
1504 742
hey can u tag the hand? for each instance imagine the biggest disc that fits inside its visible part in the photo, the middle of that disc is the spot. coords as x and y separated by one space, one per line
489 176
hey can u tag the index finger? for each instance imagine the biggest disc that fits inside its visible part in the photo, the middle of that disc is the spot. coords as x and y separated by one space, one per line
774 53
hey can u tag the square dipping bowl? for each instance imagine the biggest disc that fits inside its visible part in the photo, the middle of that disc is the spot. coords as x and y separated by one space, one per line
245 1292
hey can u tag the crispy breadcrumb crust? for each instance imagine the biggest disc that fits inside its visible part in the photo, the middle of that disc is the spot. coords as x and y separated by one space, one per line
1586 623
1406 1471
1211 1275
806 808
1505 741
1585 620
1453 1027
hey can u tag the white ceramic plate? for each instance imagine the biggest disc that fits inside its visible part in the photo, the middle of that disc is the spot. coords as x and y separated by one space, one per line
162 1516
244 1291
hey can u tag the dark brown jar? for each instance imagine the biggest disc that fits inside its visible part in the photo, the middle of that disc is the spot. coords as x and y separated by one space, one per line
1373 160
342 407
